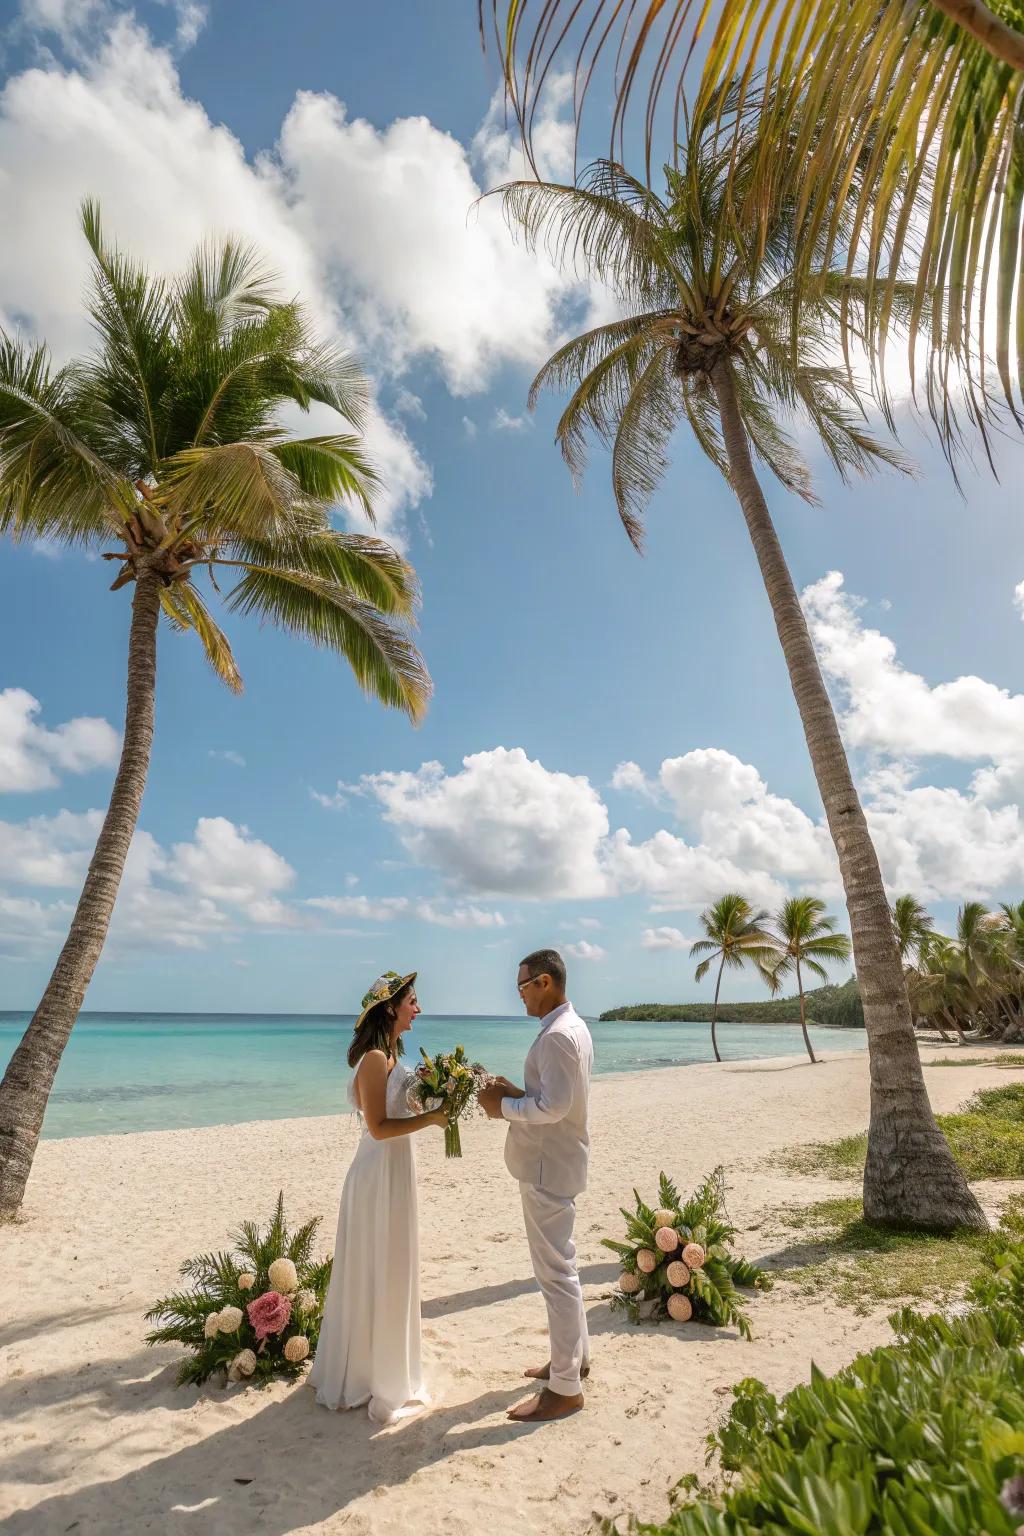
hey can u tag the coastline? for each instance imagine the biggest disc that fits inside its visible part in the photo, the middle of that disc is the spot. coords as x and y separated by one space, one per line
97 1433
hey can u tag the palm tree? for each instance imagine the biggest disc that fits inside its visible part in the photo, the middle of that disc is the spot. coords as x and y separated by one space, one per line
165 444
923 102
805 938
912 925
734 935
710 336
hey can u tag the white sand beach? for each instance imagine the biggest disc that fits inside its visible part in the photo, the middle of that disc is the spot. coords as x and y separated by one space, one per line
96 1438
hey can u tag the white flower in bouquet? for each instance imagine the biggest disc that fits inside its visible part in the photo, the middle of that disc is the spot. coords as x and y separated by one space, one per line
679 1307
243 1365
297 1348
665 1218
667 1239
694 1255
305 1301
678 1274
246 1280
647 1261
283 1276
628 1283
229 1319
211 1327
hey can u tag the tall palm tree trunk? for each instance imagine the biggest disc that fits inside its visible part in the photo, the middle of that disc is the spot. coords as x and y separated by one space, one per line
714 1012
910 1177
803 1015
29 1076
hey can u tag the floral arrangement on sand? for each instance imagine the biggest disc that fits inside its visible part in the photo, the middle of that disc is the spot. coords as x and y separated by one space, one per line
447 1081
250 1314
676 1261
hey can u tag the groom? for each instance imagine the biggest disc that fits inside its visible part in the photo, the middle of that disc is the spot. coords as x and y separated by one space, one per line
546 1150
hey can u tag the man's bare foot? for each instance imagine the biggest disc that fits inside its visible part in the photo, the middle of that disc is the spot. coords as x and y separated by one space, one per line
543 1372
543 1407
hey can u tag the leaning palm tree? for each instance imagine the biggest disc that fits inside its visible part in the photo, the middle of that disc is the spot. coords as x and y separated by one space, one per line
805 939
734 935
922 102
710 337
165 444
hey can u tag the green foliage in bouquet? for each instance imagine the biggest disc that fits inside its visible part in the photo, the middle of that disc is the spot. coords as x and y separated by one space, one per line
447 1081
252 1313
922 1437
676 1260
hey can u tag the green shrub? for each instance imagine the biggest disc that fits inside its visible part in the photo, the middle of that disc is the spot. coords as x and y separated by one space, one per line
986 1137
923 1437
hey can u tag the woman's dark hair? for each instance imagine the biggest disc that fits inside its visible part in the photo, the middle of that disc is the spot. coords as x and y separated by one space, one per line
374 1033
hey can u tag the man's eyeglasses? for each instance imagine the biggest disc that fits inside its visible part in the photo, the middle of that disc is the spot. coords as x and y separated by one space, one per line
522 985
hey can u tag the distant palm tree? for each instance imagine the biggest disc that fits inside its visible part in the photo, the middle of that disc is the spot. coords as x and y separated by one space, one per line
711 336
805 938
734 936
912 925
166 444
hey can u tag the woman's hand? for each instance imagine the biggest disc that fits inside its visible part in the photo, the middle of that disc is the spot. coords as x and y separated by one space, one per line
438 1117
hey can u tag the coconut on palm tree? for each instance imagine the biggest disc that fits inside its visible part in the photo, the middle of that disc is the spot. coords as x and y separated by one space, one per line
164 451
734 936
805 939
714 335
921 103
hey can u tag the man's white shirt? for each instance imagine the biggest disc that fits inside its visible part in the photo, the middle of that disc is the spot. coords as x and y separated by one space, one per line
548 1140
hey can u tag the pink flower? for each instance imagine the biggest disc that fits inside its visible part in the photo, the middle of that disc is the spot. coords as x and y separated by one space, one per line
667 1239
678 1274
693 1254
646 1260
269 1313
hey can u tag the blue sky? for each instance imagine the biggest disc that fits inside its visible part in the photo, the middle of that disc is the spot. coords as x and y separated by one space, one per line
559 657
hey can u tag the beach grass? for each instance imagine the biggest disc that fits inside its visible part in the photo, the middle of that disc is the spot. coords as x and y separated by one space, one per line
839 1254
986 1136
1011 1059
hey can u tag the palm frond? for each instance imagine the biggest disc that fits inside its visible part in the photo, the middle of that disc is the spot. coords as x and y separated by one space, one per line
237 487
333 469
386 663
53 483
186 610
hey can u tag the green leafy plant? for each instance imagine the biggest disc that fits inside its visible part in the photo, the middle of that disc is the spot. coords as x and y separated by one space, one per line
676 1261
921 1437
271 1273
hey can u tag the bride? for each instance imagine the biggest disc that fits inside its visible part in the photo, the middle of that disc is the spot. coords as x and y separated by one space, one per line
369 1349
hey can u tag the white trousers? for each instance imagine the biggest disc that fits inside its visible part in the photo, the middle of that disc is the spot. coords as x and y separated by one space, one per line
549 1223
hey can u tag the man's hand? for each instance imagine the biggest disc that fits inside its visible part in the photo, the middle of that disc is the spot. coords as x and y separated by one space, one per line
490 1099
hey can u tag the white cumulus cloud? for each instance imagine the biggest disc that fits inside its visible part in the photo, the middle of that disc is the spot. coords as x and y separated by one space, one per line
33 757
664 938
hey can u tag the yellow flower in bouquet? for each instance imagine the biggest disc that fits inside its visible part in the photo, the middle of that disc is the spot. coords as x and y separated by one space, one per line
447 1081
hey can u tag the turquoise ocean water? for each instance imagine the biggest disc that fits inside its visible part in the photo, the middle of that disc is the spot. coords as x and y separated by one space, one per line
162 1071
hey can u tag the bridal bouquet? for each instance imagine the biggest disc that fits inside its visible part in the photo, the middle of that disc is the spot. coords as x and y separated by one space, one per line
447 1081
676 1260
251 1314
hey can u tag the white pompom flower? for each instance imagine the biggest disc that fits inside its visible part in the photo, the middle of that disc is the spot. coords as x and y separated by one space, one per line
647 1261
211 1327
283 1276
628 1283
229 1319
296 1348
246 1280
665 1218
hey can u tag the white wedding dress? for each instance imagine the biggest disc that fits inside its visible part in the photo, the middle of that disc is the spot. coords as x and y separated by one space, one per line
369 1349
